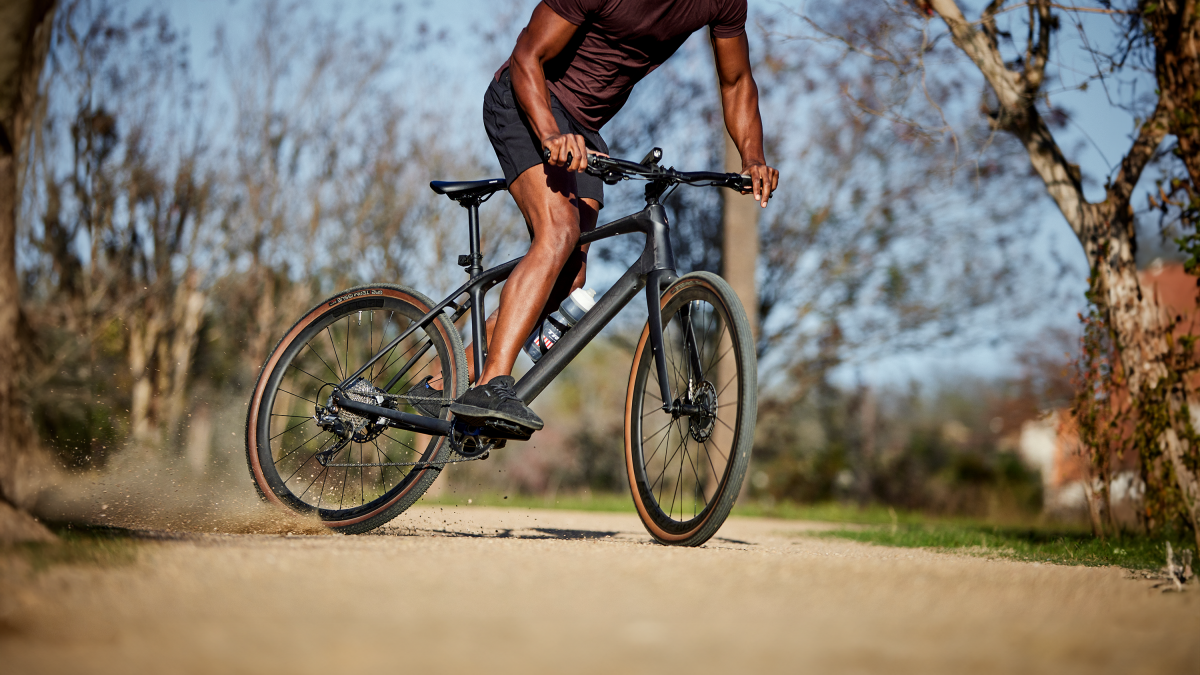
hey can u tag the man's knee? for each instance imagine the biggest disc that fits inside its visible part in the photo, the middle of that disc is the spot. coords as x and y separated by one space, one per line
561 236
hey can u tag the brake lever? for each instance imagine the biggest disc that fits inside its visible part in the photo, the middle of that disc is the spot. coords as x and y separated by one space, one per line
742 182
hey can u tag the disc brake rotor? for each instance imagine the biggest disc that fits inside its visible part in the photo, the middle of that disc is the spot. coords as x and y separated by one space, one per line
702 424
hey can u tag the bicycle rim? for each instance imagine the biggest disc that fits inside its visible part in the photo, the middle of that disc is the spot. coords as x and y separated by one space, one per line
685 469
359 482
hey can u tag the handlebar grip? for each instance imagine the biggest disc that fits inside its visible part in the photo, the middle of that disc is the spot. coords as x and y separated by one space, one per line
546 155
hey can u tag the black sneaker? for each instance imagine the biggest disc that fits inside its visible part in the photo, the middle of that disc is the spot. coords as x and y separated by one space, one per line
424 398
496 400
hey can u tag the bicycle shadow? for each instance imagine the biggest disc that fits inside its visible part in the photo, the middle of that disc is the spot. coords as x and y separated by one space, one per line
544 533
562 534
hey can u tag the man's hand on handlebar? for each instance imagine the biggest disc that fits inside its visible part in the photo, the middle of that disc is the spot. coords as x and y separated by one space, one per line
765 179
569 150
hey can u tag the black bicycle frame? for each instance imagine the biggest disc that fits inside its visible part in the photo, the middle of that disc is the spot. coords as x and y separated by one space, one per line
654 270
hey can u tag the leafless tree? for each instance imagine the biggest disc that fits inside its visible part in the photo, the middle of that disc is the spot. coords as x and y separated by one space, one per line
1017 62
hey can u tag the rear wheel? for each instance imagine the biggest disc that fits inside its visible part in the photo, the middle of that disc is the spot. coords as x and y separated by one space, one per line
352 472
686 465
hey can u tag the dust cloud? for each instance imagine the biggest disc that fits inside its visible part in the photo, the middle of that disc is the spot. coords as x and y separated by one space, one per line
200 485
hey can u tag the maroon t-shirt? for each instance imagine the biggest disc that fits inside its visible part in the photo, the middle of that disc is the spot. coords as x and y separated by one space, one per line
620 41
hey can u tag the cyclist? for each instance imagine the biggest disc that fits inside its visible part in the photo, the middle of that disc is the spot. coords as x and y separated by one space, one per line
572 69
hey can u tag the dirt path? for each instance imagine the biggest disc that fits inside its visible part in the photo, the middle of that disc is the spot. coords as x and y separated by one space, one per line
520 591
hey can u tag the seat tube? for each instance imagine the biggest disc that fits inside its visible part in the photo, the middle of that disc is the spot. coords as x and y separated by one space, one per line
478 313
654 309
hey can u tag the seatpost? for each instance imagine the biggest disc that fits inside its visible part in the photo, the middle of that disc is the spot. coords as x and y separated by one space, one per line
474 266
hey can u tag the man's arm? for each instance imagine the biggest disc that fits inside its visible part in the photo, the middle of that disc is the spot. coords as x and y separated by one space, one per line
739 102
545 36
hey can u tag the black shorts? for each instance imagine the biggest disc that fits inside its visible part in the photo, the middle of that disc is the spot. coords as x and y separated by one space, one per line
519 149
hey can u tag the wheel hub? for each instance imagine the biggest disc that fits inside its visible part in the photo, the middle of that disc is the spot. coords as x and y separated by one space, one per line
704 421
349 425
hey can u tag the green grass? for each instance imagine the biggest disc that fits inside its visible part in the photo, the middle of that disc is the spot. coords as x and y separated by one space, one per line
1058 545
80 545
828 512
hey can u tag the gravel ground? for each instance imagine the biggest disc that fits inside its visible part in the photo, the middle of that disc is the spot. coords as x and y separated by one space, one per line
528 591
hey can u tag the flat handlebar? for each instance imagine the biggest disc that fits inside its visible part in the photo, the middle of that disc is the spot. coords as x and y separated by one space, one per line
613 170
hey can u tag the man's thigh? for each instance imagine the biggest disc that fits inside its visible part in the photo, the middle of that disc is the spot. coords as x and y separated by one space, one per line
548 198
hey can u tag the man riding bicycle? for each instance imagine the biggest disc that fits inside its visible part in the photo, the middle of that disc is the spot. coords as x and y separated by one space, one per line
572 69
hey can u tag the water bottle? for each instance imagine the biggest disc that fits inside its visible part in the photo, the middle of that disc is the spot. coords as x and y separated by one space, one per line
569 313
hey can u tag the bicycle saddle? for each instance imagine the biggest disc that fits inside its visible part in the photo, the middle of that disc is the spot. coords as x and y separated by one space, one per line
459 190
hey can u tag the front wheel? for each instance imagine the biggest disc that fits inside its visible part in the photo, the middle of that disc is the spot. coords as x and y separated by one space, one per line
686 464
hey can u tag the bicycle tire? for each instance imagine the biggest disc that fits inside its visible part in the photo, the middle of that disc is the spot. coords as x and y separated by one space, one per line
722 341
274 409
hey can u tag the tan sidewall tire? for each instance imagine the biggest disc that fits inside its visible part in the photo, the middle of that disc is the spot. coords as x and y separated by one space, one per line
743 435
425 477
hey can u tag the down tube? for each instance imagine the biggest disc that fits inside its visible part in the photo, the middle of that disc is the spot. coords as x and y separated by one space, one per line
573 341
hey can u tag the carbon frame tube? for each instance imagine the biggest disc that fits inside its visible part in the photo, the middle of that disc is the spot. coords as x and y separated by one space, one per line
573 341
656 257
655 267
482 282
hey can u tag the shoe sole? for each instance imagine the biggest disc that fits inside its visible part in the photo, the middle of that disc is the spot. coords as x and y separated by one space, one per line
472 412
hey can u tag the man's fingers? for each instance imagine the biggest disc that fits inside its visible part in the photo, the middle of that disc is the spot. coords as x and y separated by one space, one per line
579 162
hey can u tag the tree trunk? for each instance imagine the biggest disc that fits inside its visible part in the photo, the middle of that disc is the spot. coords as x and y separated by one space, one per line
25 29
739 264
739 252
1104 229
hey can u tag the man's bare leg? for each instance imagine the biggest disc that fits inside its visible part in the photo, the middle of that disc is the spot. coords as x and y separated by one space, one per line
546 196
571 276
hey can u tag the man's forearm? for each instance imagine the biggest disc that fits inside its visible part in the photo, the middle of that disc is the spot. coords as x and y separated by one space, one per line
739 102
529 87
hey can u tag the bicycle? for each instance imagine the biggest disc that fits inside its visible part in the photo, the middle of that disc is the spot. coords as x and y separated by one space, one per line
319 417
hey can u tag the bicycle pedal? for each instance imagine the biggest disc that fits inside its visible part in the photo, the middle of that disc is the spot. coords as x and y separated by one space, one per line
502 430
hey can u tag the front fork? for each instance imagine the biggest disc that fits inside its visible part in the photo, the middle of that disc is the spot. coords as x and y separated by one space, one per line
655 280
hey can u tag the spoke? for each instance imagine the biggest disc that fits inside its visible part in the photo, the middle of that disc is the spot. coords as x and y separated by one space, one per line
345 474
646 460
397 440
382 457
666 464
660 430
293 365
347 341
314 482
696 474
394 357
731 381
718 359
329 334
679 481
305 463
321 494
708 456
306 420
723 456
304 417
711 465
314 350
289 453
299 396
362 491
